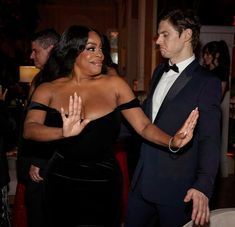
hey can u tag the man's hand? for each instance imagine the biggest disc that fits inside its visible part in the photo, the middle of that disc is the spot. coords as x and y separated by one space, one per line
34 173
201 212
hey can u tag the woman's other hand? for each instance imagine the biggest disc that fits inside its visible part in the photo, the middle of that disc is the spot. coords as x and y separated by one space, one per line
34 173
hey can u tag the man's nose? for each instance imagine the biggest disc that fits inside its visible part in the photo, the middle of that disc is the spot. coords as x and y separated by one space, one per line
158 40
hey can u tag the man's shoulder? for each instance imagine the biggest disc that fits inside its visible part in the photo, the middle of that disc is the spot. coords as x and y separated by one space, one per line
201 70
196 68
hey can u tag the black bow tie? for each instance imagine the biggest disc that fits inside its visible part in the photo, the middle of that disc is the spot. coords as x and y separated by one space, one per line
173 67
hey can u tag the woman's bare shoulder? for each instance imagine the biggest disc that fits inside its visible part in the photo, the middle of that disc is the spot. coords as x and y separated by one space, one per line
42 93
45 91
115 77
61 80
49 86
119 82
122 90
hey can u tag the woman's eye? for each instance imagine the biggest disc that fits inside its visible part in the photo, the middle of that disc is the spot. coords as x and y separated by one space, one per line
90 48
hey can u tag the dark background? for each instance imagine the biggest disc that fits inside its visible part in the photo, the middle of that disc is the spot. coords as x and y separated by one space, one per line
20 17
211 12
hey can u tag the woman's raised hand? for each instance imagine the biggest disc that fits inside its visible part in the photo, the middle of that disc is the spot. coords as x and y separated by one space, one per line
72 122
185 134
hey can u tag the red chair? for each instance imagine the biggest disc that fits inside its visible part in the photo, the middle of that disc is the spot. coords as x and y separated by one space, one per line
19 213
120 155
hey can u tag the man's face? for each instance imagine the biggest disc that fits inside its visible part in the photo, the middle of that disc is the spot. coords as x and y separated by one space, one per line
39 55
171 43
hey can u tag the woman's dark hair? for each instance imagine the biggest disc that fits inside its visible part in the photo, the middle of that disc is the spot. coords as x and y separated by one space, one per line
61 60
182 20
108 61
218 50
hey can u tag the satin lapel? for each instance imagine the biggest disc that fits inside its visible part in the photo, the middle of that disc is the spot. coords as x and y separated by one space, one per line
156 77
178 85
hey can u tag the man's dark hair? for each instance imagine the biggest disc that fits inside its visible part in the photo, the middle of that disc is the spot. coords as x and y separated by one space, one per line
46 37
182 20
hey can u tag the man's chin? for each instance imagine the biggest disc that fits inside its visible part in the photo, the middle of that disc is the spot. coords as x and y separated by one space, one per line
163 53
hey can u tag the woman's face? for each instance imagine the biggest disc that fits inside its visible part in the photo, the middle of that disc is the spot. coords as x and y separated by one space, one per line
90 60
207 58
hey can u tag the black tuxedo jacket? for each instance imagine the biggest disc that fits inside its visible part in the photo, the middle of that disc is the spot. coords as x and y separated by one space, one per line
164 177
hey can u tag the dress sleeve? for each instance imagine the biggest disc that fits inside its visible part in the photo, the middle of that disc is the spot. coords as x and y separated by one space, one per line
37 106
132 104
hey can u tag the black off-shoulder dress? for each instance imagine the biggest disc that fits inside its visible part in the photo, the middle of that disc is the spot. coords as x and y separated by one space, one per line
83 182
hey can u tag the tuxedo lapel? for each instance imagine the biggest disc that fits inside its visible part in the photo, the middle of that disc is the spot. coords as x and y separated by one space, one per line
155 79
178 85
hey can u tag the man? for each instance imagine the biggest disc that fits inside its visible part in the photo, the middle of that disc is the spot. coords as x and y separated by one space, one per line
33 157
41 44
177 186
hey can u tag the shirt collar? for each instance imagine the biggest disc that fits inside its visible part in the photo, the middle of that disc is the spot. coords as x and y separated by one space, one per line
183 64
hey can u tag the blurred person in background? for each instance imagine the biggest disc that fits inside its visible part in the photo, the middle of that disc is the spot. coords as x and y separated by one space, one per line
41 44
216 59
31 165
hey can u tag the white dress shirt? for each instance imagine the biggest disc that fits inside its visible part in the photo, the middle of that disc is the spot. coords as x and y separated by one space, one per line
165 83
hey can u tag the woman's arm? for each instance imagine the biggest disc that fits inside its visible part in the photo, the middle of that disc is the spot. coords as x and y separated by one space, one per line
34 127
149 131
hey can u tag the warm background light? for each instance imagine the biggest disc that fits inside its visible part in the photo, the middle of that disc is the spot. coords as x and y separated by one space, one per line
27 73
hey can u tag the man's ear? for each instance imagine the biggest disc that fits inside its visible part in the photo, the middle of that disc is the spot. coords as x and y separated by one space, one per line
188 34
50 48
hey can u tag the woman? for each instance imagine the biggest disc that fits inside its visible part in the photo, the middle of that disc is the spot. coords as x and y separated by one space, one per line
216 58
80 116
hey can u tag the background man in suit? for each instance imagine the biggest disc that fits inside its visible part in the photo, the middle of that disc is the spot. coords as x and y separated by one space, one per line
33 157
175 186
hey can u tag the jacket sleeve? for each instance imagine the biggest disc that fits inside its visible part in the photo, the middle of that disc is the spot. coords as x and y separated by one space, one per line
209 136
